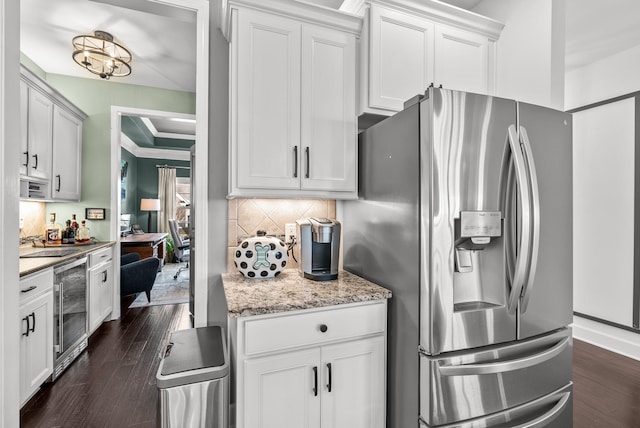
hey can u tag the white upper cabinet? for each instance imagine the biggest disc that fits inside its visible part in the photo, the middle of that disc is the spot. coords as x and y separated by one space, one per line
67 156
407 45
39 134
51 142
328 110
400 65
267 113
293 100
465 60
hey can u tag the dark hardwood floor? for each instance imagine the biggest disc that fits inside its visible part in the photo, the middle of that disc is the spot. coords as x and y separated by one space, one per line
607 388
113 383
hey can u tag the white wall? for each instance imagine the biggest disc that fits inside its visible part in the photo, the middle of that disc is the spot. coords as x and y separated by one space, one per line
218 166
602 80
9 153
530 65
611 76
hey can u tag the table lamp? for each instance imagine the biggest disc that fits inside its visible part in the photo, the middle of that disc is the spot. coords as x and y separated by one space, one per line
149 205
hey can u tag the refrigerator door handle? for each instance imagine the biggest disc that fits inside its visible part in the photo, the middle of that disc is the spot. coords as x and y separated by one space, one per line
535 218
522 260
543 420
505 366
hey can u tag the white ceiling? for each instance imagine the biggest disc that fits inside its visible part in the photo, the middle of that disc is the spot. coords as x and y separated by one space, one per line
185 128
162 38
597 29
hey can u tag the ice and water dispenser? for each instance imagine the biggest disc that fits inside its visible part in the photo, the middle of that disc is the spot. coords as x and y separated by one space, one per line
478 278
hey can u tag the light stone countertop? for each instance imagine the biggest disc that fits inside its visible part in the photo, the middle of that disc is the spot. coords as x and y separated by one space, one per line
289 292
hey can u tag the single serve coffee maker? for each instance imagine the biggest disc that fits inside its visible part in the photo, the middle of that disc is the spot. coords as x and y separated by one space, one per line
319 243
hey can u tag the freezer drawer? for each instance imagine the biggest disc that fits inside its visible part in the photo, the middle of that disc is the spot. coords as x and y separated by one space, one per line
474 384
554 410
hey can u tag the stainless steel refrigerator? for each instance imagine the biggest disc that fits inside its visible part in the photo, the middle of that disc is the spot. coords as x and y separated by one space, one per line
465 214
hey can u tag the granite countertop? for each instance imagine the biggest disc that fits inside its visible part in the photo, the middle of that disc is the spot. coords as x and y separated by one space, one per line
34 264
289 292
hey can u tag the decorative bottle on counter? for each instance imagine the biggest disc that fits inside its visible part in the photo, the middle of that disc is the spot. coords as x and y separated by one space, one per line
83 234
52 231
74 223
68 235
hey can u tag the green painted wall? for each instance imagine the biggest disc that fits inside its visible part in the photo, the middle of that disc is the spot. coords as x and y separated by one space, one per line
148 185
130 186
95 98
142 182
35 68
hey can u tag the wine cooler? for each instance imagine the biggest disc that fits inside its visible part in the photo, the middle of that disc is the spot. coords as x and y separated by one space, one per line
69 313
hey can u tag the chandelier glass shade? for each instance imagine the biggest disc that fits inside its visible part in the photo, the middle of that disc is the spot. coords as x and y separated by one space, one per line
101 55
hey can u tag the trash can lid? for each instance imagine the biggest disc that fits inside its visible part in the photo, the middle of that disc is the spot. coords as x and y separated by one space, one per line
194 355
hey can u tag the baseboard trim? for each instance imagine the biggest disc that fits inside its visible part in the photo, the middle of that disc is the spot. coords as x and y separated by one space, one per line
606 336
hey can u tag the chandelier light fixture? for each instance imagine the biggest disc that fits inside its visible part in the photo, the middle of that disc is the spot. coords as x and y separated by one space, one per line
101 55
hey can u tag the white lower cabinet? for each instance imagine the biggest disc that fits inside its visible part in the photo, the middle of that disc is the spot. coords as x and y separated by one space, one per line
279 390
353 391
100 287
332 377
36 332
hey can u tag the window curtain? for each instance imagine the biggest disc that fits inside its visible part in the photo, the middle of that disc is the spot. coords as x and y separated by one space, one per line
167 196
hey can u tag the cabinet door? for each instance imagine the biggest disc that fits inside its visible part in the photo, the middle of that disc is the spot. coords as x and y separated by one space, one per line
36 347
24 128
100 294
353 384
39 133
67 157
400 59
279 391
462 60
328 110
266 115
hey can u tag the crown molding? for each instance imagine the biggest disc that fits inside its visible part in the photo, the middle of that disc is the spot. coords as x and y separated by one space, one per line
144 152
444 13
306 12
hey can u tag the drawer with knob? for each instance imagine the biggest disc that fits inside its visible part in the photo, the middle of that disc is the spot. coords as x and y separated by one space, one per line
304 328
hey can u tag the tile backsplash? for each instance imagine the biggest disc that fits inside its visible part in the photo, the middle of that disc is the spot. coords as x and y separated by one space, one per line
247 216
32 218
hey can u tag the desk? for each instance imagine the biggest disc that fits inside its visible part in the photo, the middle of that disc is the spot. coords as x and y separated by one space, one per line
145 244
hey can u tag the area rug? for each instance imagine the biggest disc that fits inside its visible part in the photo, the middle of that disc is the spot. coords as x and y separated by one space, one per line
166 290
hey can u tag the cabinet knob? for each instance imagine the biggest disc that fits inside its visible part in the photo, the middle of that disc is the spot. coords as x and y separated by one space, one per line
323 328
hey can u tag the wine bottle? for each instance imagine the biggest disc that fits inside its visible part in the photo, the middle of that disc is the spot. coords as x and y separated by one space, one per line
68 236
74 223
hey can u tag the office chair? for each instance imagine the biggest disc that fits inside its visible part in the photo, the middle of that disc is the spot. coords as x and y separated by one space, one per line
180 247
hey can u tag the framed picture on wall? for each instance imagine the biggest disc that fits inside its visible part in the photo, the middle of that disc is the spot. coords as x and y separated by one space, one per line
94 213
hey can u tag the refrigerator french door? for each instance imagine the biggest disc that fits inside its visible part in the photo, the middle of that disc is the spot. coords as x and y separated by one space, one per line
465 214
496 212
69 313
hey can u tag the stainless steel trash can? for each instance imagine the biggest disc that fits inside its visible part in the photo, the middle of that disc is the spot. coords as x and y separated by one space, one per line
193 380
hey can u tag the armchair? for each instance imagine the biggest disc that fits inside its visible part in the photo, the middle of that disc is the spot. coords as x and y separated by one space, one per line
137 275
